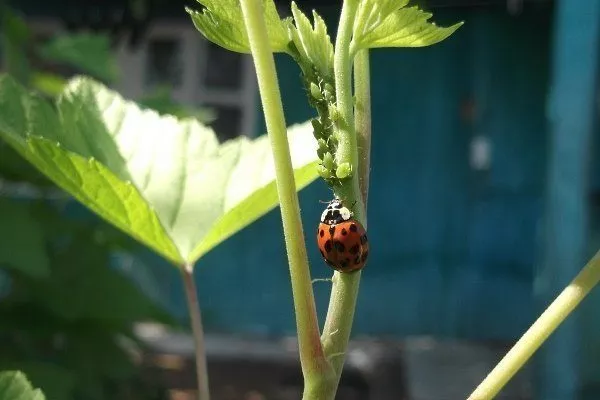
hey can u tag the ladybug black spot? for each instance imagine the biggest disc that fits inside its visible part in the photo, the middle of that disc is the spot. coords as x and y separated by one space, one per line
364 256
328 246
344 263
339 246
344 231
353 228
322 233
363 239
357 260
354 249
331 230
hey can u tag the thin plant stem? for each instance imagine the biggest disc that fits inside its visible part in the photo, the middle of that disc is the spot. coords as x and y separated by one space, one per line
187 273
362 122
541 329
344 291
317 372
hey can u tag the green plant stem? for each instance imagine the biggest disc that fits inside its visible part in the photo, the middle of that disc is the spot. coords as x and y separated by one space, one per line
362 122
187 273
347 151
344 291
541 329
316 369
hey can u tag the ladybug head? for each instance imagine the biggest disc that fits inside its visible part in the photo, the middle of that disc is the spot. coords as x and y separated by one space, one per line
335 213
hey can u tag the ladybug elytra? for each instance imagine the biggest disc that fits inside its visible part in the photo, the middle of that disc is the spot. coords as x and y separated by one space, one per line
342 240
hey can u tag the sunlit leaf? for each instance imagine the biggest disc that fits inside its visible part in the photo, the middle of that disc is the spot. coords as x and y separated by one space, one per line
15 386
166 182
222 22
250 191
22 244
314 44
389 23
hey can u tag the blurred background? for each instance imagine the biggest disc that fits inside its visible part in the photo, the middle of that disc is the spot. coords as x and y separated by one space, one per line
483 205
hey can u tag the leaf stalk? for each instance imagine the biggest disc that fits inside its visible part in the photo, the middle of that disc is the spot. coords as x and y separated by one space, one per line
191 294
541 329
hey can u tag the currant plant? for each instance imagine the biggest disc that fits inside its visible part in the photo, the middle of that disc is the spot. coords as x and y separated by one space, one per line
342 121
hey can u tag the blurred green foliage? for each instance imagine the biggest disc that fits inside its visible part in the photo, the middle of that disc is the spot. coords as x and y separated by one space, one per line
66 315
41 63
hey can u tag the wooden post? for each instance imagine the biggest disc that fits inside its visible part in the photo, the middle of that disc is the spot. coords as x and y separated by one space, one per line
571 114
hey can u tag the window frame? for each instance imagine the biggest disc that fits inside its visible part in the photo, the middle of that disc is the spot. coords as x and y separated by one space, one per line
192 92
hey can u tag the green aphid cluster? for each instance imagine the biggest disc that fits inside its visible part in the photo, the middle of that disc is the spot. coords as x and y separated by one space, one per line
321 96
320 90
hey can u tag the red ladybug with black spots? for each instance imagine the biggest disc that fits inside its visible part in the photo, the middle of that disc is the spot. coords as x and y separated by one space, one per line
342 240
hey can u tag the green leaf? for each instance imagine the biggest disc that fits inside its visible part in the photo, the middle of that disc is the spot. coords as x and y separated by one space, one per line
14 37
221 22
58 383
110 357
251 190
15 386
387 23
313 44
166 182
96 291
88 52
22 244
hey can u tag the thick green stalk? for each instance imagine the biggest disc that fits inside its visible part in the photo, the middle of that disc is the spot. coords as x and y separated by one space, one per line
316 369
347 151
191 294
541 329
344 291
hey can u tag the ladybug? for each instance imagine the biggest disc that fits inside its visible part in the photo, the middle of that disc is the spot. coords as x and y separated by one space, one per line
342 240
